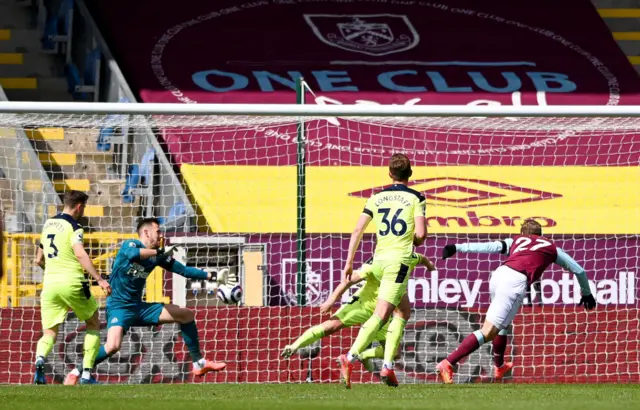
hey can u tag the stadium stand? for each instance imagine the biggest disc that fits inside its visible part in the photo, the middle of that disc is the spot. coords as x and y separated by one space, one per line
177 57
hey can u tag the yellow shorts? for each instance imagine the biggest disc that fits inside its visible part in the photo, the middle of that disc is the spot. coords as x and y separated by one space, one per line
57 298
356 312
394 276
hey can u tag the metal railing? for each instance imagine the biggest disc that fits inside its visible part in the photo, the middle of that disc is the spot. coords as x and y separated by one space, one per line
21 281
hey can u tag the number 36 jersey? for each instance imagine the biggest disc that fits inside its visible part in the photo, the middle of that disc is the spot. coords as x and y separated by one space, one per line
59 234
393 211
531 255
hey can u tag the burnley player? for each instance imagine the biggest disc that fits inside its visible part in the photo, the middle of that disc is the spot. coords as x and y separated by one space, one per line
353 313
125 308
399 216
529 254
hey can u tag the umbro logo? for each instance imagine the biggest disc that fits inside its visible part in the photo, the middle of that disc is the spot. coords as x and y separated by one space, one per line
468 193
114 320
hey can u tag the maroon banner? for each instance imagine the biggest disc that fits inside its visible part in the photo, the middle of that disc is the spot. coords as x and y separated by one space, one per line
451 52
379 52
462 281
547 345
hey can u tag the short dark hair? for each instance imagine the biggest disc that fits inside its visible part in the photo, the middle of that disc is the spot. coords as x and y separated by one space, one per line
531 227
74 198
147 221
400 167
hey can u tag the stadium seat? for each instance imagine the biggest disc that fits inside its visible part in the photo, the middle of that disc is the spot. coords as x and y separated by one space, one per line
177 210
132 181
91 67
104 138
146 166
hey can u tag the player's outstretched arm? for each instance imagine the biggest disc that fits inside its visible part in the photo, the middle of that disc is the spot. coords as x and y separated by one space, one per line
568 263
424 261
339 291
188 272
354 242
501 246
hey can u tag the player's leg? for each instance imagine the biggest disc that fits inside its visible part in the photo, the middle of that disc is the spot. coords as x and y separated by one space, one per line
499 344
508 289
393 288
84 305
383 310
396 330
157 313
53 312
118 322
312 335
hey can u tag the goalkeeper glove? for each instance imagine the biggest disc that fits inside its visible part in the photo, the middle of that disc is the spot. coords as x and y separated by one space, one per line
448 251
219 276
166 252
588 301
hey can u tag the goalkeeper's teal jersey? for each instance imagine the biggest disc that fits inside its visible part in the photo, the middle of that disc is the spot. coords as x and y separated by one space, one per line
129 274
393 211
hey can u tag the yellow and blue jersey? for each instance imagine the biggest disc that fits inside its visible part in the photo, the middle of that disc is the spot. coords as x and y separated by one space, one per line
58 237
393 211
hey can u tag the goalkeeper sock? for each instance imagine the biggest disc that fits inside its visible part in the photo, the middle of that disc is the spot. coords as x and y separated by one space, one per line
44 346
309 336
91 347
469 345
373 353
365 336
394 336
499 347
101 356
190 337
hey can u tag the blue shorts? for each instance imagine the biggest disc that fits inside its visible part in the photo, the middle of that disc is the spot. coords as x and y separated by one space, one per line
145 314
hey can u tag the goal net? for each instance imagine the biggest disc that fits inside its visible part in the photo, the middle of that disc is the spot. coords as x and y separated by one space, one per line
272 201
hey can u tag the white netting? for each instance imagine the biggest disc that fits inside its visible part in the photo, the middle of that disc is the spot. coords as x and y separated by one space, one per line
232 204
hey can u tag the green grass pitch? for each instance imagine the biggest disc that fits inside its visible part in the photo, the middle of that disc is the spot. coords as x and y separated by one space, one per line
322 396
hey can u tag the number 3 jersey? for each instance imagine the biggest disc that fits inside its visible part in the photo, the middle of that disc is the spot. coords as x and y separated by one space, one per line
531 255
59 234
393 211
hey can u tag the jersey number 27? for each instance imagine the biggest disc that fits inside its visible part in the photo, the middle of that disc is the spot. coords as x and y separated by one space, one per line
523 243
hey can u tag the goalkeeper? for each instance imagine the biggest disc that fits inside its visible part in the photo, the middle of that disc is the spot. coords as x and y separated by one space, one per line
353 313
125 308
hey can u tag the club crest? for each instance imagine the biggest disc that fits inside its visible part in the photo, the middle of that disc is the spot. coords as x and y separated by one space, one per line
372 34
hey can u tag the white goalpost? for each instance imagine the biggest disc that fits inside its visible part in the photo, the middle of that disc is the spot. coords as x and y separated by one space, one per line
270 194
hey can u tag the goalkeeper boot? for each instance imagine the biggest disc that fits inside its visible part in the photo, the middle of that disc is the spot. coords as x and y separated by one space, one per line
206 366
445 371
287 352
39 377
388 377
72 378
502 371
345 370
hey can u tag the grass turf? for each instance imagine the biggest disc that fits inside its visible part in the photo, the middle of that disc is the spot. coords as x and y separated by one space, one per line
322 396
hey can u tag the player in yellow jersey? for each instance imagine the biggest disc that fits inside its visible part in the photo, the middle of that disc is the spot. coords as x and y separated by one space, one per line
399 216
62 256
355 312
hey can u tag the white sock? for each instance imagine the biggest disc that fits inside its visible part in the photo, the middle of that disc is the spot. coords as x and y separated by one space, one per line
75 372
388 365
86 374
351 357
199 364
